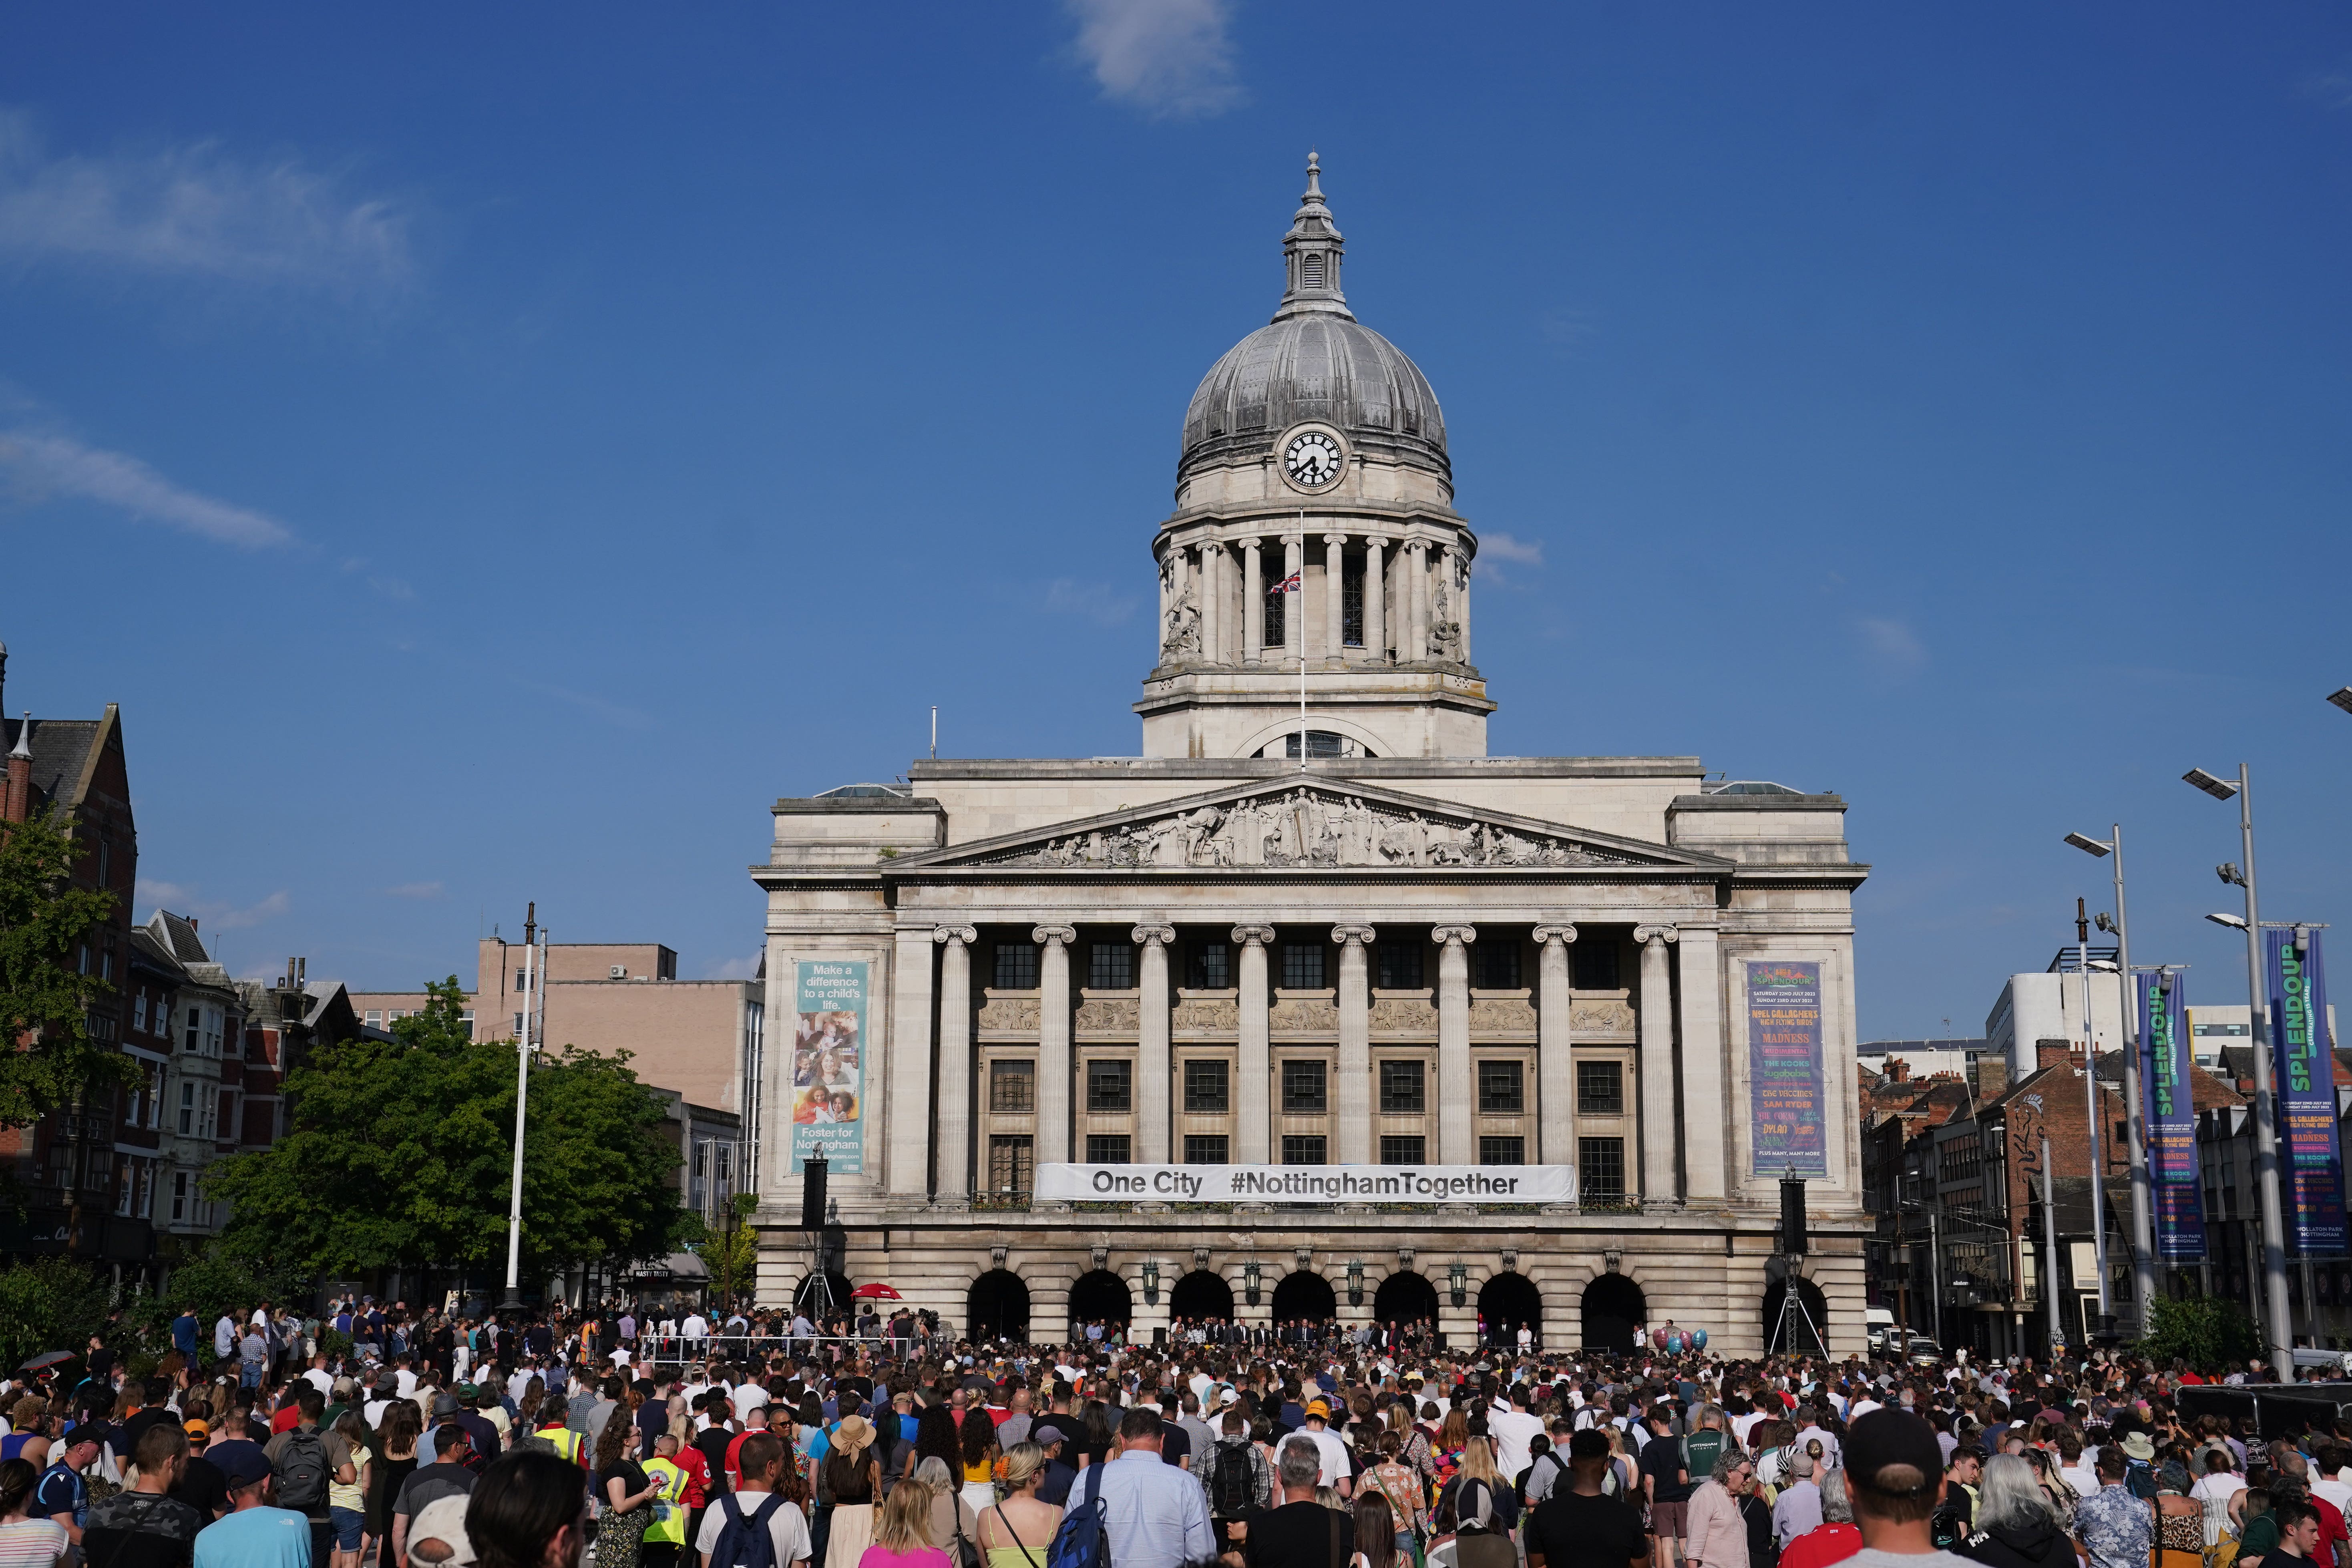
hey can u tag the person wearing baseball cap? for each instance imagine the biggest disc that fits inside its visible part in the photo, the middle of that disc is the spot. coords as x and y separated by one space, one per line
252 1532
1894 1479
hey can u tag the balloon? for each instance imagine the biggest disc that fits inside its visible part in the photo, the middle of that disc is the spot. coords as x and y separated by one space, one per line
1699 1339
1658 1338
1674 1343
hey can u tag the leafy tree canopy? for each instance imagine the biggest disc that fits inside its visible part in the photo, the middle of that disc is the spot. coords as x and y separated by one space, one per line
398 1154
49 1304
45 1000
2207 1333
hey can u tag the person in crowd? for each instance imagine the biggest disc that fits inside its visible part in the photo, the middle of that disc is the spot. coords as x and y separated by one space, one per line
1717 1528
1299 1530
2016 1525
26 1540
1017 1530
253 1534
763 1500
902 1535
1834 1539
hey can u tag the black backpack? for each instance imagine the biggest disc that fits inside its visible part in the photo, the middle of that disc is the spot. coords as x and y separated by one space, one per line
301 1471
1235 1495
744 1540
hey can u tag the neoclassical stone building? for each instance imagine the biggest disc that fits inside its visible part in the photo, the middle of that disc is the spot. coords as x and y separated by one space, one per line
1393 950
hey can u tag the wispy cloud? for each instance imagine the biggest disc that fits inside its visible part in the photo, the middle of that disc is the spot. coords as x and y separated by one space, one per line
733 969
181 899
1526 552
1166 57
191 210
1892 649
1094 602
46 466
2333 88
416 890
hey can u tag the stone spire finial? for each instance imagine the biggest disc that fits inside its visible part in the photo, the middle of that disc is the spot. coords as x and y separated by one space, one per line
24 746
1310 255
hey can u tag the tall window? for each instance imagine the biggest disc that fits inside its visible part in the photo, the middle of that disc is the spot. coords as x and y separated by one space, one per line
1016 966
1206 1086
1399 965
1599 1088
1306 1148
179 1197
187 1108
1107 1149
1397 1150
1502 1151
1012 1164
1320 744
1401 1089
1593 965
1302 966
1303 1091
139 1011
1498 964
1208 966
1502 1091
196 1026
1013 1087
1110 1086
1110 967
1278 605
1204 1148
1352 602
1600 1169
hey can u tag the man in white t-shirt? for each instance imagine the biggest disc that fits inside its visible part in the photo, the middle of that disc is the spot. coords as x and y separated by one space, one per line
748 1397
1511 1427
762 1461
695 1328
1338 1471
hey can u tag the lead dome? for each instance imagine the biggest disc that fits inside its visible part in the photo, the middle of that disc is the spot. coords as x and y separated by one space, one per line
1314 361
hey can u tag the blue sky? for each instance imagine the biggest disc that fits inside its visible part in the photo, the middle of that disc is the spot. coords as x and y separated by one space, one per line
490 453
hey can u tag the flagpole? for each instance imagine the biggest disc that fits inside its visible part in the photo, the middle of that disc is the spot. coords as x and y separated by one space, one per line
1297 587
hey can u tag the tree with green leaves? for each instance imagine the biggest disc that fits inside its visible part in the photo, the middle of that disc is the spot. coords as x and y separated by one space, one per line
398 1154
49 1304
731 1252
45 999
2207 1333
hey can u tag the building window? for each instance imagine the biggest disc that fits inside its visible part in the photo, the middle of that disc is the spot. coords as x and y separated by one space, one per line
1502 1151
1405 1150
1593 965
126 1186
1310 270
1012 1164
1303 1091
1206 1087
138 1012
1352 601
467 1018
1599 1088
1110 1086
1107 1149
375 1018
522 979
179 1197
1110 967
146 1189
1502 1088
1498 964
187 1108
518 1025
1399 965
1204 1148
1277 608
1320 744
1302 966
1402 1091
1600 1169
1013 1087
1210 967
1306 1148
195 1028
1016 966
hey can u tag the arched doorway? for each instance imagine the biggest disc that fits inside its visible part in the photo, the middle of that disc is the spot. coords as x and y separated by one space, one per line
1099 1296
1405 1297
808 1299
1507 1303
997 1308
1613 1308
1798 1333
1305 1295
1202 1294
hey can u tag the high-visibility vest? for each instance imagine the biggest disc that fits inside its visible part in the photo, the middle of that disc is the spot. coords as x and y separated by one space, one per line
568 1445
669 1508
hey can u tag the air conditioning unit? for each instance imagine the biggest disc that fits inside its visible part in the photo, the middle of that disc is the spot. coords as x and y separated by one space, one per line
618 972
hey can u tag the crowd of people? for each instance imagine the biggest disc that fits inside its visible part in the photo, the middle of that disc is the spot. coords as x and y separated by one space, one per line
552 1440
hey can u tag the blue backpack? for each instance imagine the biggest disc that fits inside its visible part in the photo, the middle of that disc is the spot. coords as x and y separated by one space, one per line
1084 1539
744 1541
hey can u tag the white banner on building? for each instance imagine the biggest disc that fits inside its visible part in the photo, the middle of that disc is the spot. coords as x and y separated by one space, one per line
1309 1183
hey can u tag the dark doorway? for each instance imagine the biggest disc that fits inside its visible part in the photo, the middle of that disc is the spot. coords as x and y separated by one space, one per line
998 1307
1307 1296
1202 1294
808 1299
1098 1297
1614 1310
1507 1303
1405 1297
1797 1334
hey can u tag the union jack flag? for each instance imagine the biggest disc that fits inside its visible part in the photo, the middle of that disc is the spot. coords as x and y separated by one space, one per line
1287 585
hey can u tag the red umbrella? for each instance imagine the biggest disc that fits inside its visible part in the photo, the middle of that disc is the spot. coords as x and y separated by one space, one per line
876 1291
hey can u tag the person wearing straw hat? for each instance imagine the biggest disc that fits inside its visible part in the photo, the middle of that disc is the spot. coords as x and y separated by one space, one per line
853 1476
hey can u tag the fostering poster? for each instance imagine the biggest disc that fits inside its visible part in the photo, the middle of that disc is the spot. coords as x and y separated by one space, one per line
1784 1070
828 1072
2303 1077
2171 1119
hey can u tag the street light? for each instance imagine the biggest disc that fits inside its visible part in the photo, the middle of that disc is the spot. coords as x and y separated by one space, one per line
534 986
2235 922
2143 1248
2342 698
2280 1327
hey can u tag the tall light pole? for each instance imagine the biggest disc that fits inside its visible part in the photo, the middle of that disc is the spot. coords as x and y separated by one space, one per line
2266 1170
534 974
2143 1248
2091 1120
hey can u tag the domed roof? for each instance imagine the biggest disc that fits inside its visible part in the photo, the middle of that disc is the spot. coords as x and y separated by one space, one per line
1314 361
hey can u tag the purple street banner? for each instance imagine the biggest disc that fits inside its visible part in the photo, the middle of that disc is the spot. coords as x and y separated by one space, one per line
1784 1070
2305 1084
2172 1111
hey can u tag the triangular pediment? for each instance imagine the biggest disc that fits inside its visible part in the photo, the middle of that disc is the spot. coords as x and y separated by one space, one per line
1318 824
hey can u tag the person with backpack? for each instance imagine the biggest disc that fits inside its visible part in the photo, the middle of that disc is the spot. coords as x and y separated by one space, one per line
305 1461
755 1526
1237 1479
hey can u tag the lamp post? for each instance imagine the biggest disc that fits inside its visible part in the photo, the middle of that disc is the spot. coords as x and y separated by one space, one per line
2090 1122
534 973
2274 1306
2143 1249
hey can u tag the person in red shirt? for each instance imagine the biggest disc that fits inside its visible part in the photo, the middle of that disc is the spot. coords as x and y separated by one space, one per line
1834 1539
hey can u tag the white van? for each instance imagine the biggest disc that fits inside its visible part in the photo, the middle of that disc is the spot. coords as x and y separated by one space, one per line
1876 1323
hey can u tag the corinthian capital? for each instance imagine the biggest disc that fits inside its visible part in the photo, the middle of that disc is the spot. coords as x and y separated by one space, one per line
1350 935
1053 936
1561 934
964 934
1648 935
1447 936
1253 936
1148 934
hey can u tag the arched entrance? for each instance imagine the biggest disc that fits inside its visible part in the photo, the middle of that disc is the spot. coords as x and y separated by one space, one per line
1202 1294
1507 1303
808 1299
1305 1295
1099 1296
1796 1334
1613 1308
1405 1297
998 1307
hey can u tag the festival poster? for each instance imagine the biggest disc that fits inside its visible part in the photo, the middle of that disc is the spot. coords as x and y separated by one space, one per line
2304 1076
828 1066
1784 1070
2171 1116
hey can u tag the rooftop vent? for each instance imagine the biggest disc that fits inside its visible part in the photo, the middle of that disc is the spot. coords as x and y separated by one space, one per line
867 792
1749 787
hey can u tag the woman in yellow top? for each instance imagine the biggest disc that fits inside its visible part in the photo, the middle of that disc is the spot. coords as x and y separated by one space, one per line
980 1452
1016 1532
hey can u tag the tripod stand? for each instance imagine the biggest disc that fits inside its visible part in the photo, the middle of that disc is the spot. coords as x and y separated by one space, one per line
1793 1316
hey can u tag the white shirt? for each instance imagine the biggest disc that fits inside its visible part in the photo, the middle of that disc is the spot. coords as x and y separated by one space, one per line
1511 1429
786 1529
748 1397
2335 1492
1860 1408
1743 1425
1335 1466
408 1380
697 1326
321 1379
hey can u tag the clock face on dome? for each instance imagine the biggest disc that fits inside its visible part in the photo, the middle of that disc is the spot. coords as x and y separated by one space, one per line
1311 459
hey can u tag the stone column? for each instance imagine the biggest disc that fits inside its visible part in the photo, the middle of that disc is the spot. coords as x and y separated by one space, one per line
1152 1070
1455 1087
1700 996
1461 565
1334 612
1416 565
1253 602
1657 1024
1293 606
951 1179
1354 1106
1555 1063
1376 619
1054 1044
1213 604
1253 1098
906 1113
